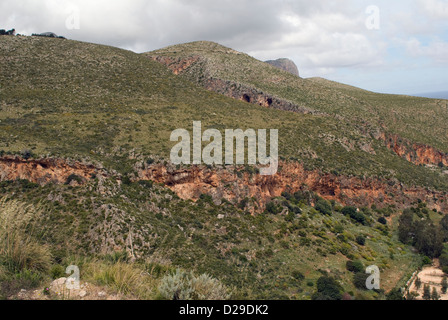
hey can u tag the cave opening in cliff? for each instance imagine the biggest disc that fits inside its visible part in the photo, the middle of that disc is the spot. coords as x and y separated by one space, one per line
269 102
246 98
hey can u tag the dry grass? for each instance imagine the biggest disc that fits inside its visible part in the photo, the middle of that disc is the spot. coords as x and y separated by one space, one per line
19 248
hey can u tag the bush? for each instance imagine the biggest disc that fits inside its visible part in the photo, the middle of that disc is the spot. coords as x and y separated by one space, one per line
395 295
124 278
185 286
298 275
427 260
57 271
355 266
359 280
27 154
208 288
74 177
324 207
327 289
361 240
354 214
272 208
348 211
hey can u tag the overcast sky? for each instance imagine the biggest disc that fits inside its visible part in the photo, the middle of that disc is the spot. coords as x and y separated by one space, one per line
398 46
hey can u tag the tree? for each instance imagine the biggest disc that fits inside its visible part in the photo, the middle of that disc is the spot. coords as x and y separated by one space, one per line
405 226
427 292
444 228
428 240
327 289
435 294
444 285
418 283
395 295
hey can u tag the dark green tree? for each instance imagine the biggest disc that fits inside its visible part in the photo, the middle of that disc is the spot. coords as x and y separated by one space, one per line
427 292
435 294
327 289
418 283
444 285
405 226
428 240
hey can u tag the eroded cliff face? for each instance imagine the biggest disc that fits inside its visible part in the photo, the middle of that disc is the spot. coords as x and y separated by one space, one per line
177 66
228 88
45 171
235 186
418 154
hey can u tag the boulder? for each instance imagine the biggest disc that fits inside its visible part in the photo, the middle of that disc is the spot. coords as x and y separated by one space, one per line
286 65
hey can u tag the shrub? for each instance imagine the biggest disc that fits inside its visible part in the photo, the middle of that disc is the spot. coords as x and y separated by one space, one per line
427 260
355 266
395 295
124 278
207 288
354 214
27 154
73 177
298 275
327 289
272 208
324 207
348 211
57 271
184 285
361 240
359 280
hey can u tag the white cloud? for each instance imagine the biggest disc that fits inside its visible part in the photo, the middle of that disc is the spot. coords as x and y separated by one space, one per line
435 9
321 36
436 51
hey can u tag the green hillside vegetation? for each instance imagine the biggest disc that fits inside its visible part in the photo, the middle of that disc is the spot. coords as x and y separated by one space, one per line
403 115
116 108
271 255
80 100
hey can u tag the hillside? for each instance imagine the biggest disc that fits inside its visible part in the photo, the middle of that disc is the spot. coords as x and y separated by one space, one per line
405 116
85 141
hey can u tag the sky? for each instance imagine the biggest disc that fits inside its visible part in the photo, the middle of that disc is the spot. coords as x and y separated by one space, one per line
398 46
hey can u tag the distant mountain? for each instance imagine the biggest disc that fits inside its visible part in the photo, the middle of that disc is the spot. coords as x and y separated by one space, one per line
286 65
434 95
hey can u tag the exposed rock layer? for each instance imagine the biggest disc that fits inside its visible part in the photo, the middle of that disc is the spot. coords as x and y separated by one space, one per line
235 187
43 171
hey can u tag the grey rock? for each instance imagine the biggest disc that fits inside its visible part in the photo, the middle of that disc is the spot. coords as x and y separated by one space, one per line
286 65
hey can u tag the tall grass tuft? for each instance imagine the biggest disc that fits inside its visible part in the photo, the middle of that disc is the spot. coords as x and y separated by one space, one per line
124 278
20 249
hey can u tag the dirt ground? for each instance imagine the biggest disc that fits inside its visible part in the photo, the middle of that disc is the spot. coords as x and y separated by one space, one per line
432 275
